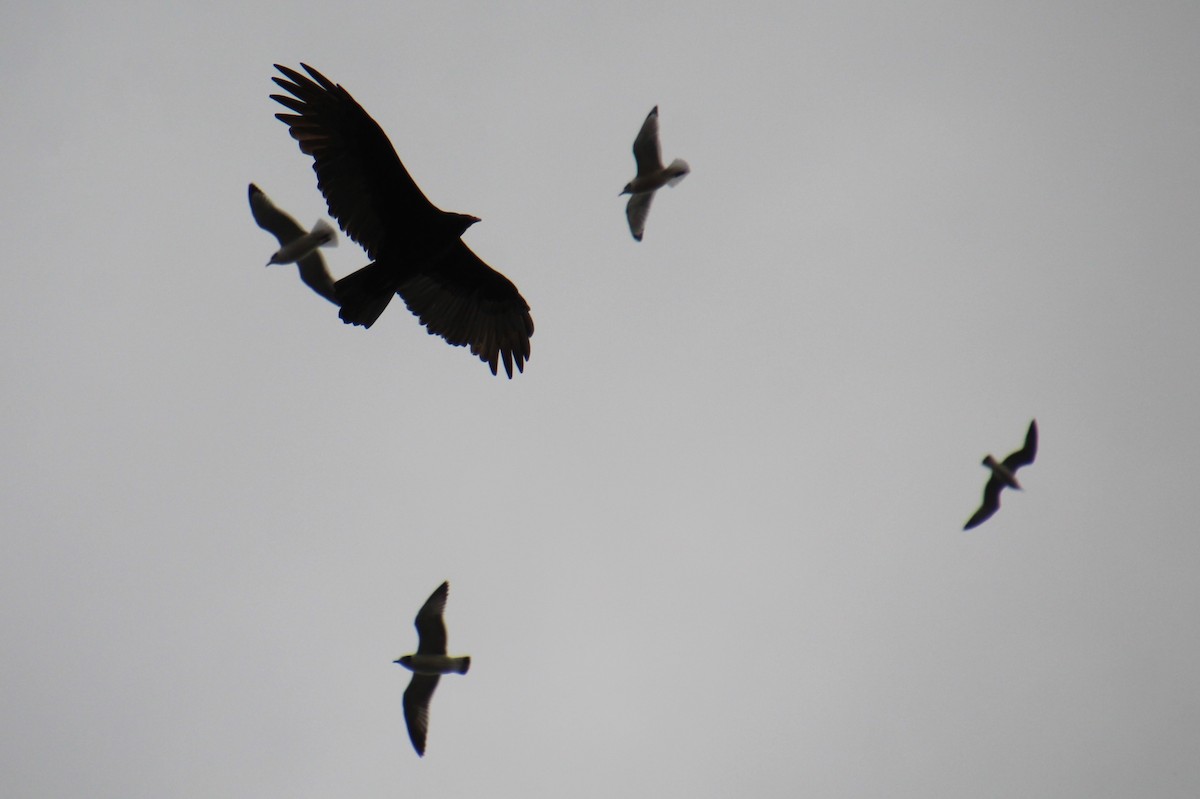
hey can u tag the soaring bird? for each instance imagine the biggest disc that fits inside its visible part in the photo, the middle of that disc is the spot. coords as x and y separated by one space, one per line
1004 473
428 665
651 174
415 247
295 243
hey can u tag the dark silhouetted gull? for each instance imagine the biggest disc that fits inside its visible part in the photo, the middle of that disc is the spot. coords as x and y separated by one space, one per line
295 243
428 665
1004 473
651 174
415 247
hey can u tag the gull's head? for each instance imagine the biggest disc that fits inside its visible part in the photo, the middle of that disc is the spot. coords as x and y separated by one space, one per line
405 661
627 190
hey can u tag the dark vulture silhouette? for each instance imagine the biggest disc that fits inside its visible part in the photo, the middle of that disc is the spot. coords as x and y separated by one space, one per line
415 247
288 232
428 665
1004 473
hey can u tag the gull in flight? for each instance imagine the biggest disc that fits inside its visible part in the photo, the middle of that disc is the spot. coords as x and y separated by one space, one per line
415 247
651 174
1004 473
428 665
296 245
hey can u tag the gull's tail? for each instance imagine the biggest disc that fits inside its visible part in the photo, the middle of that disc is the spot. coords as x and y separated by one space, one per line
678 170
324 234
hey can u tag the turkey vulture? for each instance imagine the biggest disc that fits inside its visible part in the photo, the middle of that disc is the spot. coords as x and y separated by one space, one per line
415 247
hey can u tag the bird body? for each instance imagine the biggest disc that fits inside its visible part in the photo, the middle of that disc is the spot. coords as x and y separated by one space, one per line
365 294
999 470
428 664
1004 474
436 664
668 175
651 174
321 235
415 248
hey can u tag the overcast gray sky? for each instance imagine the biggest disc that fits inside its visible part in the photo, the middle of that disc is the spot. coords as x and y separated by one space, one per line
709 544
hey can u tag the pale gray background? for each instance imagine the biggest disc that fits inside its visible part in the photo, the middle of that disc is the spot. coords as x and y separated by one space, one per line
709 544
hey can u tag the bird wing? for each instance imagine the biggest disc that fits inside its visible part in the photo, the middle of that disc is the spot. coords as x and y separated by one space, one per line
312 266
991 502
416 708
646 149
431 629
316 276
469 304
636 212
283 227
367 188
1025 455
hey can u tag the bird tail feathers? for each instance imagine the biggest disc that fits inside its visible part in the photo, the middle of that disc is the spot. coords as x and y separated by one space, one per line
326 235
364 294
679 170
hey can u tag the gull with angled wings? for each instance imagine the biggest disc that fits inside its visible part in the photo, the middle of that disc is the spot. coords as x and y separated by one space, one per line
428 665
651 174
296 245
1004 475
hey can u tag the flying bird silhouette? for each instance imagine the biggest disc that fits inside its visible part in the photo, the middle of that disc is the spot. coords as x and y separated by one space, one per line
428 665
651 174
1004 473
295 243
415 247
